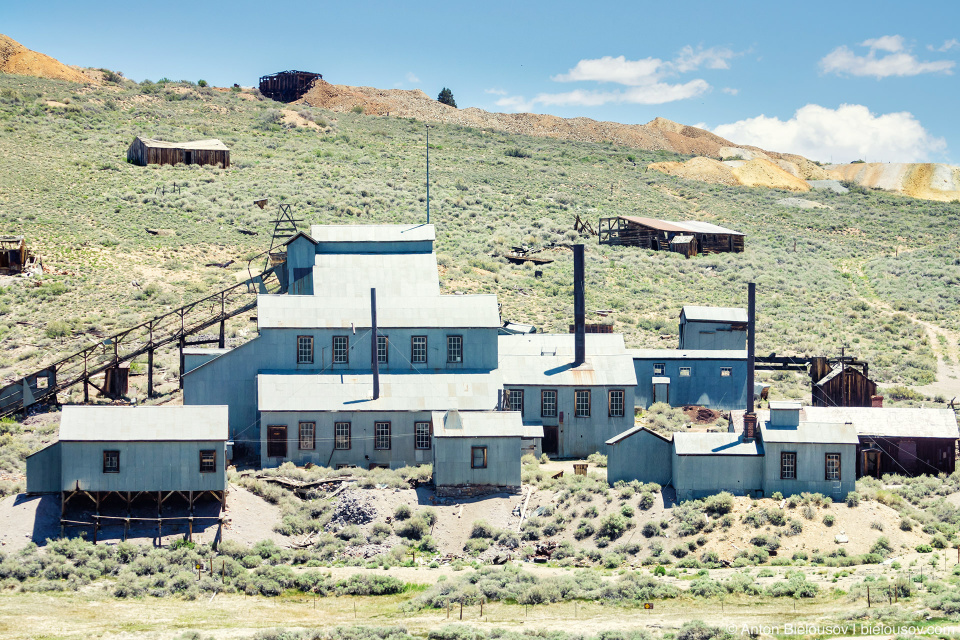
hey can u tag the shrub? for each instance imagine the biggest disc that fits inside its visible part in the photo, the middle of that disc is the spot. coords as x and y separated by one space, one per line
646 501
906 524
720 503
402 512
679 551
412 529
201 83
776 517
597 459
612 526
853 499
881 546
517 152
794 527
358 109
829 520
650 530
585 530
482 529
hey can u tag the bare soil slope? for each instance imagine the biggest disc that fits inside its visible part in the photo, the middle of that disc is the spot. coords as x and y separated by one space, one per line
16 58
928 181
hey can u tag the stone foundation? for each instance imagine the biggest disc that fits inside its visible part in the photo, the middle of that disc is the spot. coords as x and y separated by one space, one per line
473 490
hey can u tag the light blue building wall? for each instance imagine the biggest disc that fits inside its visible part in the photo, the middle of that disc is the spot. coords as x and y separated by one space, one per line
43 470
708 463
640 454
713 328
713 379
452 466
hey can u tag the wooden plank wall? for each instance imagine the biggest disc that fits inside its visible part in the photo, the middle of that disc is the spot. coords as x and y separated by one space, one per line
142 155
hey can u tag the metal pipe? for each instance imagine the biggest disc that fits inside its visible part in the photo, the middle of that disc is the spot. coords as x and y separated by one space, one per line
751 346
579 307
374 339
428 173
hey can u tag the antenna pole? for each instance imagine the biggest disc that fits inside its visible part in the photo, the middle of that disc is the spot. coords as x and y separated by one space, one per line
428 174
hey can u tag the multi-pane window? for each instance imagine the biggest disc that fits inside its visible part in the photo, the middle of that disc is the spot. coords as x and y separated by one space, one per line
478 457
341 435
341 349
726 372
111 462
208 460
382 349
615 403
455 349
548 403
308 432
684 372
421 435
581 405
659 368
304 349
833 466
418 349
515 398
381 435
788 465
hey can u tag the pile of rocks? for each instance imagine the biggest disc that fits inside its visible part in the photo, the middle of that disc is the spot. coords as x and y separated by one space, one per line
351 509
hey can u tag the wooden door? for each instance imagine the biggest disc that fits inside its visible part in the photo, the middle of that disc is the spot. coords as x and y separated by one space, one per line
551 440
277 441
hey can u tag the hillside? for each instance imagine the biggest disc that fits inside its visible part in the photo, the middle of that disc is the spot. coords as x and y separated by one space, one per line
872 271
920 180
16 58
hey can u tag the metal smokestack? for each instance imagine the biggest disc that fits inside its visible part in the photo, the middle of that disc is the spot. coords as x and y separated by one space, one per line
750 417
374 360
579 307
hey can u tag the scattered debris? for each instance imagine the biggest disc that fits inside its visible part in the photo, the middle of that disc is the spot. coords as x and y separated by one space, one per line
247 232
519 255
351 510
222 265
583 227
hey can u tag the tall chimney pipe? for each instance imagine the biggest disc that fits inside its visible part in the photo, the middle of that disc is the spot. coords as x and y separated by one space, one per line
374 360
579 307
751 344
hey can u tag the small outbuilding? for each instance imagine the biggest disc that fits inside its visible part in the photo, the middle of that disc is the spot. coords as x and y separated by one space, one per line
478 452
639 454
713 327
144 151
15 257
695 237
843 382
708 463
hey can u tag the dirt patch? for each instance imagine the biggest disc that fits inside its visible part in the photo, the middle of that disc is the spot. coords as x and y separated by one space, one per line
700 168
701 415
927 181
16 58
293 119
760 172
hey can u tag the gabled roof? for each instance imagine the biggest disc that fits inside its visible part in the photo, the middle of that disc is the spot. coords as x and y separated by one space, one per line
160 423
810 433
714 314
351 391
690 226
620 437
836 371
715 444
299 234
414 312
483 424
204 145
894 422
541 359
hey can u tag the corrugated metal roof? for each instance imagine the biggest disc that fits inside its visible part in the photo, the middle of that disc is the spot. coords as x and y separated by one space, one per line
715 444
661 225
681 239
810 433
714 314
200 351
620 437
483 424
393 274
705 227
687 354
895 422
543 359
109 424
787 405
205 145
352 391
420 312
694 226
373 232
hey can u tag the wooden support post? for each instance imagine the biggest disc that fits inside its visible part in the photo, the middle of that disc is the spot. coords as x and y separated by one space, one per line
461 609
126 528
868 598
150 373
223 334
190 500
96 528
183 342
190 534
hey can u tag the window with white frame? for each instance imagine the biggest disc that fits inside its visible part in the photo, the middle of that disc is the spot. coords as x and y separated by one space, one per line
726 372
421 435
341 349
381 435
341 435
833 466
684 372
455 349
788 465
304 349
659 368
418 349
615 403
515 398
382 344
548 403
581 403
308 435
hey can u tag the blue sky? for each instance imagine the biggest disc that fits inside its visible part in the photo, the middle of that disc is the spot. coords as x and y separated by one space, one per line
833 81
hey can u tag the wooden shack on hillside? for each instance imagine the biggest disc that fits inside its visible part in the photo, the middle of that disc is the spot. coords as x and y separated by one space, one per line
287 86
14 256
841 382
144 151
692 237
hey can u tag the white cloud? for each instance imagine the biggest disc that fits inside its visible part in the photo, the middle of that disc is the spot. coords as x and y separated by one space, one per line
895 59
644 80
731 91
947 45
496 92
412 78
847 133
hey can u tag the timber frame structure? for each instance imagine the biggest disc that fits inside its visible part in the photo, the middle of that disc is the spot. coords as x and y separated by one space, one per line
98 520
658 235
287 86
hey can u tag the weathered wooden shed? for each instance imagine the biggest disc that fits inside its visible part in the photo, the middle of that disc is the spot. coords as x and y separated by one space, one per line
658 235
478 452
15 257
144 151
841 382
287 86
